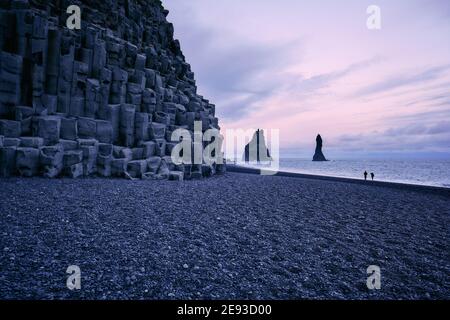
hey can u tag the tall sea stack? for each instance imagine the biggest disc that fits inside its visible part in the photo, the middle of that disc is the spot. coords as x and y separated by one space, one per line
100 100
318 155
256 150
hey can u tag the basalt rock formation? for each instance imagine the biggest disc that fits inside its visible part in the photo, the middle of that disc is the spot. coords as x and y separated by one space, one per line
256 150
318 155
101 100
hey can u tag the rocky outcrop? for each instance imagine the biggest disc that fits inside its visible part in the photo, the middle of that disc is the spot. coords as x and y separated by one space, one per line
318 155
256 150
101 100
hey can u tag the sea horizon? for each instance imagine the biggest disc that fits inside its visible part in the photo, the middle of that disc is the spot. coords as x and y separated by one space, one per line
426 172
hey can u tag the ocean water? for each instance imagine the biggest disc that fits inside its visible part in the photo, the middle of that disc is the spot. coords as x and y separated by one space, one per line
421 172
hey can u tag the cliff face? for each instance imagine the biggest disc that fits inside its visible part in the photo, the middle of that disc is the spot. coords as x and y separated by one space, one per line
101 100
318 155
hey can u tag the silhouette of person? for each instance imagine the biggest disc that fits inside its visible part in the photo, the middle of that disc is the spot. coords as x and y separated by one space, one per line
372 175
365 175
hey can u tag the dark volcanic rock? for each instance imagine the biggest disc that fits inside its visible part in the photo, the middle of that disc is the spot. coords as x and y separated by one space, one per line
256 150
250 237
318 155
111 82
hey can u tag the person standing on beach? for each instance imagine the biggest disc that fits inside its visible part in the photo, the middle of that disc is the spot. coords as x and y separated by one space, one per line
372 175
365 175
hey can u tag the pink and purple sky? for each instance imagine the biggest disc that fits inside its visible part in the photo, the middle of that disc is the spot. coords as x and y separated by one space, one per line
309 67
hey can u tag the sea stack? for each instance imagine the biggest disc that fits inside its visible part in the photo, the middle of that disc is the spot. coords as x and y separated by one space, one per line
256 149
318 155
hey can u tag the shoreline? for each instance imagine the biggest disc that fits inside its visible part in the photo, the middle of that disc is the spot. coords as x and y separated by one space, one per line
397 185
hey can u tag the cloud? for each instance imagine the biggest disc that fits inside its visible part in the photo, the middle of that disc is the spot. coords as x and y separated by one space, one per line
431 100
275 87
404 80
432 137
422 117
238 74
238 66
326 79
441 127
439 7
242 76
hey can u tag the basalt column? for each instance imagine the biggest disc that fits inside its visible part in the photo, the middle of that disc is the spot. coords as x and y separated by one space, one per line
103 100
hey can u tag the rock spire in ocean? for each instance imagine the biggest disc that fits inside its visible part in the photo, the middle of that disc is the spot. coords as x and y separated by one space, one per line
318 155
256 150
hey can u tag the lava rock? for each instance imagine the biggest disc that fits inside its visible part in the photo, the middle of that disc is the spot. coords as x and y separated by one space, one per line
318 155
256 150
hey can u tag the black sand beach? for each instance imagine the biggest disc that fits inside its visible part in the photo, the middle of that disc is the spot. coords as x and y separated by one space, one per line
246 236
